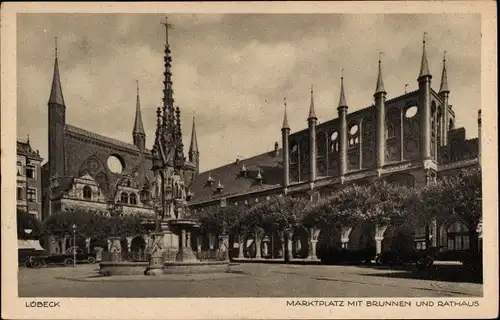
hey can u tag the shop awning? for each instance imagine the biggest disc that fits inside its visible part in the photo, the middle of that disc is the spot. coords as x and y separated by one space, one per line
29 245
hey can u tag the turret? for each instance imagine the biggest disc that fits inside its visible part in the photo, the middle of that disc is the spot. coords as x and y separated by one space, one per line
424 87
138 133
342 111
285 133
57 121
311 121
194 154
444 93
379 96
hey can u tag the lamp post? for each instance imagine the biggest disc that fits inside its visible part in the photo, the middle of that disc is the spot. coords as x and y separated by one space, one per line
74 244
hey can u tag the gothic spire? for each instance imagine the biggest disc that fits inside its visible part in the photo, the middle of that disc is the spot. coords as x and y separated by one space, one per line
312 114
193 147
285 120
424 66
380 81
444 78
168 92
56 96
342 101
138 125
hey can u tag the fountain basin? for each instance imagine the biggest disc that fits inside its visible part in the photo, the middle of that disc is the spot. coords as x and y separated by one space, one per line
122 268
196 267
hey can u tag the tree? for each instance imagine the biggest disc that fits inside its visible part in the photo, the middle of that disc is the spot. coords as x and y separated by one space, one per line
92 225
26 221
459 195
379 202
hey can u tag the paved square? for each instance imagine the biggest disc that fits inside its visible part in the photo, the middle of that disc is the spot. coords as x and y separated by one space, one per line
251 280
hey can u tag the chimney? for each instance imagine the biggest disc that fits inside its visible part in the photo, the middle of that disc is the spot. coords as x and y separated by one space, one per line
276 146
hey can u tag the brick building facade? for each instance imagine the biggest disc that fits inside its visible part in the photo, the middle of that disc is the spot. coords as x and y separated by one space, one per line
29 179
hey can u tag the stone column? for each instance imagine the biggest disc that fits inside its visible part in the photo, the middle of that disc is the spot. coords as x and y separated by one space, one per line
265 250
63 245
379 236
378 241
258 241
312 250
116 249
285 132
289 249
156 261
87 244
182 240
343 140
211 241
241 247
380 136
199 241
345 233
424 87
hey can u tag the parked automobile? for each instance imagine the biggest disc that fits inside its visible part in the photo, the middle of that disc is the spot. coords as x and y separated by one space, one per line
37 261
420 258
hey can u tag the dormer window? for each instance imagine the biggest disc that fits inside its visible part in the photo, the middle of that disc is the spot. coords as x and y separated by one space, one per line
259 177
243 170
220 187
210 180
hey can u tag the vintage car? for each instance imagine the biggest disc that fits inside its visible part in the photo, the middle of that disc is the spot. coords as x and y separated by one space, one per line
67 258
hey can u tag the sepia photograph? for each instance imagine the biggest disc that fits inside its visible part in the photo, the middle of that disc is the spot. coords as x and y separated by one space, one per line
178 154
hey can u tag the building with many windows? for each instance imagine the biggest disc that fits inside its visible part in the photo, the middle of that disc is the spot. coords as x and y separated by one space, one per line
29 179
409 139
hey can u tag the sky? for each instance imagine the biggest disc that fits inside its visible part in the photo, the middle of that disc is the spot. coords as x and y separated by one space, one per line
232 71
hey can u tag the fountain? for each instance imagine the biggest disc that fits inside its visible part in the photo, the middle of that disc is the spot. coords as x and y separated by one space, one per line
167 195
185 259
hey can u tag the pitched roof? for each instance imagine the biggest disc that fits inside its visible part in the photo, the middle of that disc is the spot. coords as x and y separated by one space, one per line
95 136
24 148
269 164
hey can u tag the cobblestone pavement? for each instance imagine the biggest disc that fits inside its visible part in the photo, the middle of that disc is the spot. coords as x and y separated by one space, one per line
249 280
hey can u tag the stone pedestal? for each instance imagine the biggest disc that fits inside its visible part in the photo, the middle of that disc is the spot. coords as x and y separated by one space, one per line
156 260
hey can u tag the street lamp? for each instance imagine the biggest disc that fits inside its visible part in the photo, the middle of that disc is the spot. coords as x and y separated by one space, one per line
74 244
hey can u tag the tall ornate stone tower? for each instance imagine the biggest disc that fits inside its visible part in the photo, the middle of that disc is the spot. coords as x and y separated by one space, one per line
169 163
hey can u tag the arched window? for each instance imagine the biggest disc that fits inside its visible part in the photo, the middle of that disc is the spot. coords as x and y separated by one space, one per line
128 183
133 199
458 236
451 125
321 143
438 126
353 134
334 141
124 197
87 193
294 152
393 124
